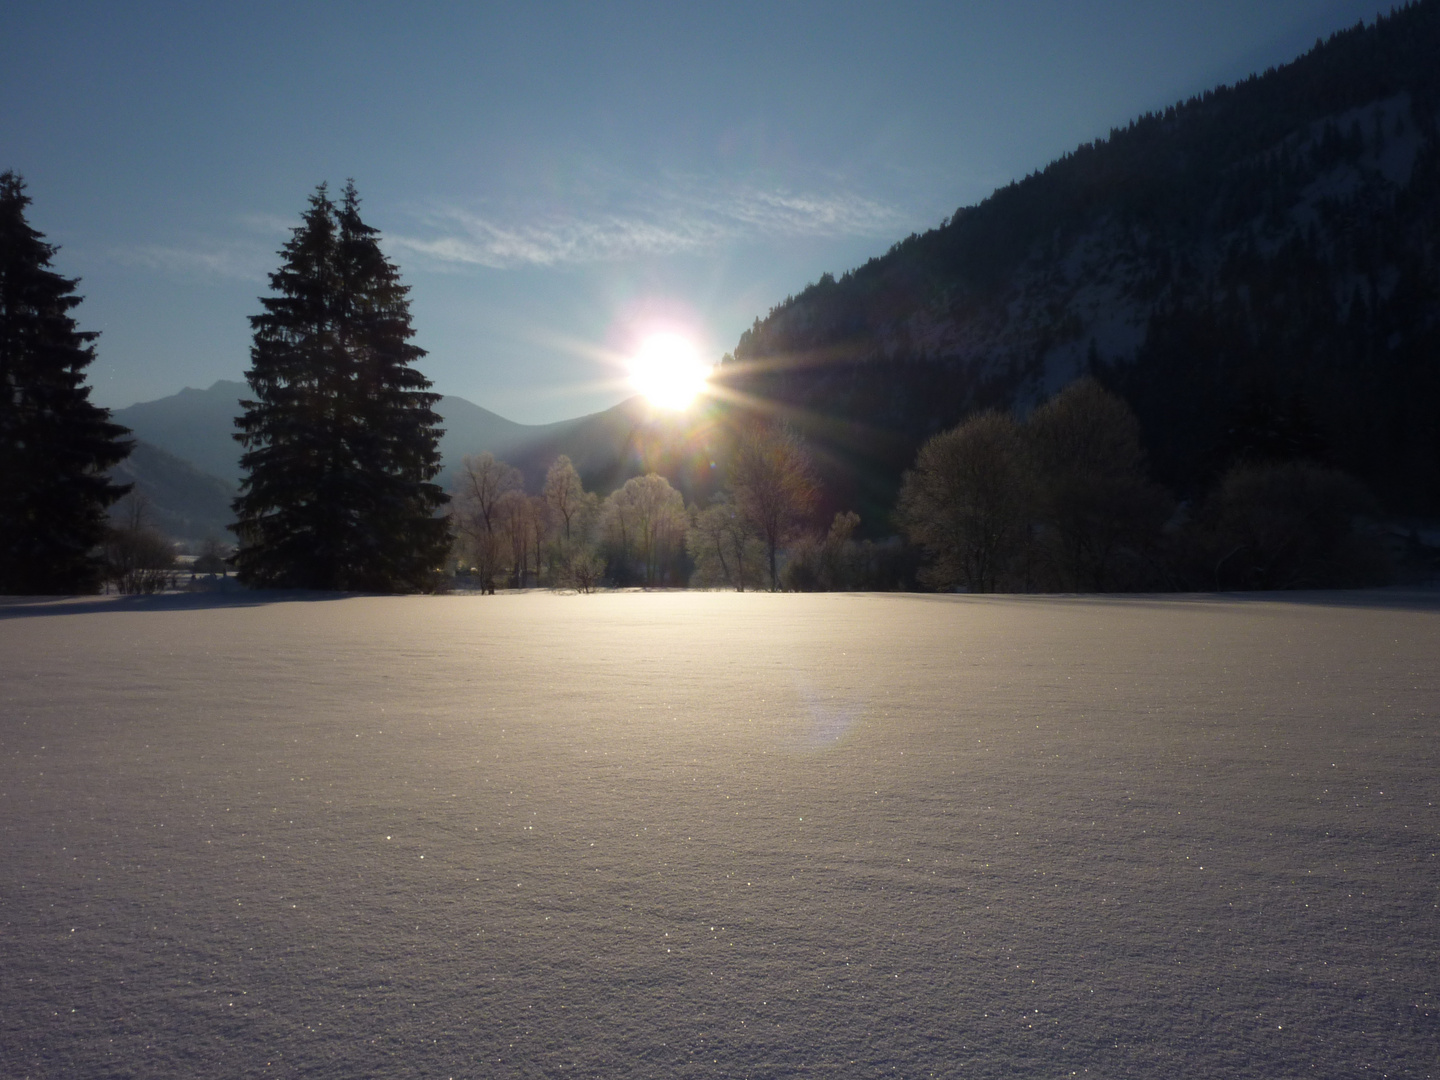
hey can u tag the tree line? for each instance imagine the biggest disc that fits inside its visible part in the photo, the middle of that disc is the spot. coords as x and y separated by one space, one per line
642 533
1063 501
341 454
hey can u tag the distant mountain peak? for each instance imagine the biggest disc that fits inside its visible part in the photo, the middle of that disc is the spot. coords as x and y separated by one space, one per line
198 427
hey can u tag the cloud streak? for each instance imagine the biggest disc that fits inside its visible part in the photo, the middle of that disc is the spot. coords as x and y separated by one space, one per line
243 262
681 218
678 221
238 259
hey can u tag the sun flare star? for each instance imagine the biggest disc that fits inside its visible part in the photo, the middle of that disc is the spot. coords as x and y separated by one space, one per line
668 370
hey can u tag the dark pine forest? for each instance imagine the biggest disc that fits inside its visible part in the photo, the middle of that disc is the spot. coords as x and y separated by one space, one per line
1255 271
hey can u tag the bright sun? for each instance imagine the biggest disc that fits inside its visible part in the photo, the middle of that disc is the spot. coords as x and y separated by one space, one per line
668 370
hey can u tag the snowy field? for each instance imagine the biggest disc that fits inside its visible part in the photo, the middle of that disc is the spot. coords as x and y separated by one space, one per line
702 834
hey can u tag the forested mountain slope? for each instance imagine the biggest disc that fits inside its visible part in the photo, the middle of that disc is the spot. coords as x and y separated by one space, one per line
178 499
1261 262
197 426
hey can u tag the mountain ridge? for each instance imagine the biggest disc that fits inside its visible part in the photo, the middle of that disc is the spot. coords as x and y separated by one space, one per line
1198 260
197 425
191 432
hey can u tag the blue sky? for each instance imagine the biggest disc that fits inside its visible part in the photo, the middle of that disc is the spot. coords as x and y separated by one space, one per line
556 180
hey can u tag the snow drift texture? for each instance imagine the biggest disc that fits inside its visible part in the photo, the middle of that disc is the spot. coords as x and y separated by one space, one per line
713 834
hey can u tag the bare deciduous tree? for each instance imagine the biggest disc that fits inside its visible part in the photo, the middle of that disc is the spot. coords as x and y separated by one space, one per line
1099 511
826 563
774 486
138 559
1287 525
541 524
482 483
214 557
724 546
968 503
581 571
643 521
513 514
566 498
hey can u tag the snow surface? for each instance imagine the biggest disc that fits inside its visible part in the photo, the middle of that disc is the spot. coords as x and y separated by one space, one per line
706 834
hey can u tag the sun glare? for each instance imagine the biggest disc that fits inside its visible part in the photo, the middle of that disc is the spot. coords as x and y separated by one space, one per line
668 370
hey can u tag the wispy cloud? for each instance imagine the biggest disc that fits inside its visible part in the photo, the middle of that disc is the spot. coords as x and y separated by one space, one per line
245 262
269 224
681 218
678 217
470 238
811 215
248 257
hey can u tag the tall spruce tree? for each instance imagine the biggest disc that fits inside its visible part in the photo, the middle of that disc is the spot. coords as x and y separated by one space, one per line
341 438
54 444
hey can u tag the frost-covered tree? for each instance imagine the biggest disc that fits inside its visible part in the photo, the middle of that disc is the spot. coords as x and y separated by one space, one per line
1287 525
540 525
482 485
774 486
517 526
566 496
341 442
969 501
724 546
644 521
1098 509
570 515
826 563
54 444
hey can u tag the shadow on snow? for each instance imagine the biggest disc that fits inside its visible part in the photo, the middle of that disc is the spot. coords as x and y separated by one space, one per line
24 607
